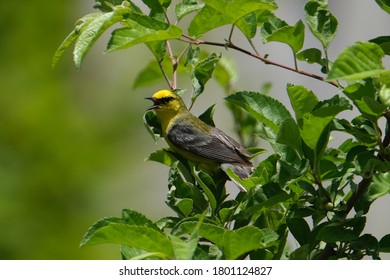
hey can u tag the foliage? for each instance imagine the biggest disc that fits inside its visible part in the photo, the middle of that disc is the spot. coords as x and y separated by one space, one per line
318 193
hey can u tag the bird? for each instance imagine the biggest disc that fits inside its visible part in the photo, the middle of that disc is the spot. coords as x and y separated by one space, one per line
196 141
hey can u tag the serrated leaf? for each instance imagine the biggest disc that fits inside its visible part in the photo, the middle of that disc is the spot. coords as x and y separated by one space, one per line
187 7
217 13
142 29
322 23
302 100
264 108
118 232
93 31
81 24
132 217
277 30
207 184
357 62
384 4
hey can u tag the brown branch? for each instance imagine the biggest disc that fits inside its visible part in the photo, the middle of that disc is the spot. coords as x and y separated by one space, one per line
229 45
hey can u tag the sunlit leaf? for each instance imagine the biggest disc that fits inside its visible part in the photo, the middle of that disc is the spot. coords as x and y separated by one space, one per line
359 61
384 4
277 30
142 29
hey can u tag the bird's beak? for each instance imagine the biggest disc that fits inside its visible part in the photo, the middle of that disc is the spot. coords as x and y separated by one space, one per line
155 104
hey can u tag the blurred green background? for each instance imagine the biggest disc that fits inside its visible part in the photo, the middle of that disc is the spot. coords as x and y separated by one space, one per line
72 144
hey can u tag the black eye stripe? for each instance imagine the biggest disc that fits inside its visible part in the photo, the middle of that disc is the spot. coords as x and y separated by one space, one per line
165 100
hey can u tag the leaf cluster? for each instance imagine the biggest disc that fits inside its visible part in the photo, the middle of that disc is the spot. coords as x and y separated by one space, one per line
319 193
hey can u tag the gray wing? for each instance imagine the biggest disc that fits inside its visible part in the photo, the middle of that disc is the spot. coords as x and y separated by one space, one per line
215 145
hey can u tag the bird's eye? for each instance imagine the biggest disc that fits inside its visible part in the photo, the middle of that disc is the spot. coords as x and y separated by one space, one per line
166 99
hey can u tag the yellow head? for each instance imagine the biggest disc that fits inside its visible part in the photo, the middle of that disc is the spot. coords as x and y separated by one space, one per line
167 103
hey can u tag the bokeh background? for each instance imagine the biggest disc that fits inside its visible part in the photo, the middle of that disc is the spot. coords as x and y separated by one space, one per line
72 143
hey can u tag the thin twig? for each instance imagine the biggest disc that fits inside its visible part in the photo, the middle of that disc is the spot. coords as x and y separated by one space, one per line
191 40
174 65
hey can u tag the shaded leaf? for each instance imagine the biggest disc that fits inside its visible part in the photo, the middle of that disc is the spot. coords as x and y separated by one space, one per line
322 23
383 42
384 244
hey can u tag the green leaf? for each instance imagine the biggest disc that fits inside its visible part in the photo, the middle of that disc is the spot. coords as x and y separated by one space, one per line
384 4
312 125
302 100
221 12
368 243
277 30
142 29
208 231
322 23
157 6
93 31
187 7
357 62
207 116
299 229
383 42
311 56
265 197
225 73
248 25
158 48
206 182
289 135
244 240
380 186
201 73
264 108
107 5
81 24
384 244
301 253
108 230
312 128
152 125
370 108
347 230
132 217
162 156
